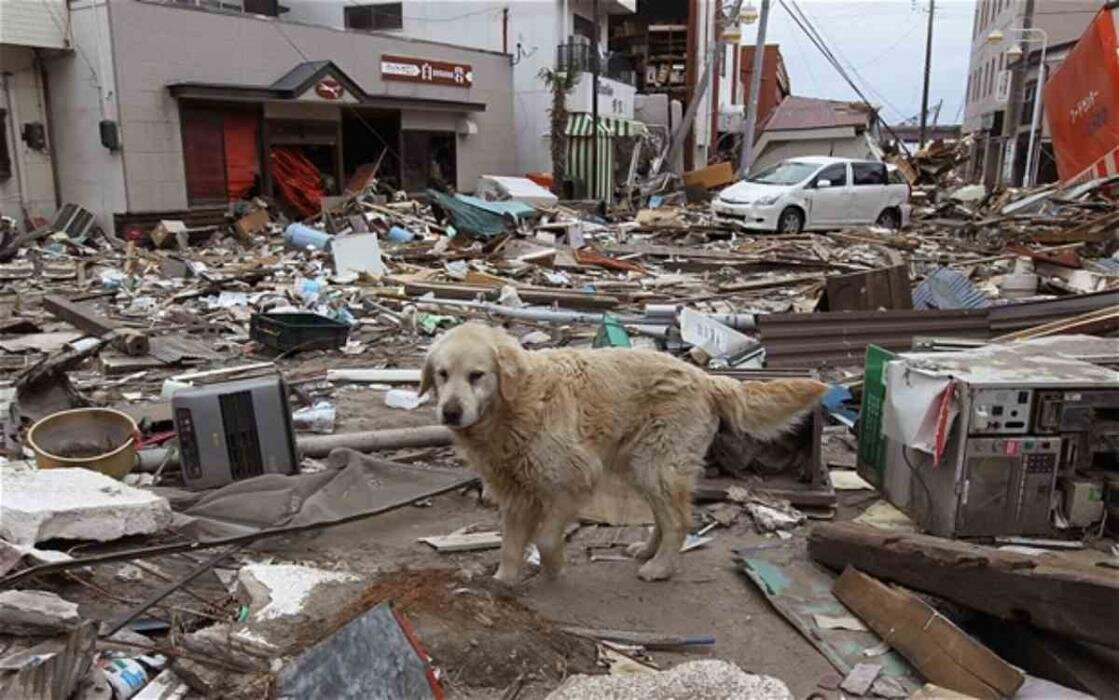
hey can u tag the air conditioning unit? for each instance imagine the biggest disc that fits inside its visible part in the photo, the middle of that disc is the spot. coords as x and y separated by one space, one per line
233 431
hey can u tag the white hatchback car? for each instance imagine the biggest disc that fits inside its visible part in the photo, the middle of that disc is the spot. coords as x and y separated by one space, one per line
815 193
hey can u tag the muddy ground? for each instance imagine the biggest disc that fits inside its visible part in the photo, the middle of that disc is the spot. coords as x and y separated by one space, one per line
487 638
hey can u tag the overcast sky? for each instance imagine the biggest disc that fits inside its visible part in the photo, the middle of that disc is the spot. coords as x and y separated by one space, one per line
883 41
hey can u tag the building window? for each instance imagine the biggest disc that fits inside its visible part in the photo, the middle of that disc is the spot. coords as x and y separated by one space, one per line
271 8
5 157
378 17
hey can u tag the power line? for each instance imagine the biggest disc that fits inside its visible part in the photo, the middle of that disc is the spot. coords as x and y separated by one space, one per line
825 42
823 48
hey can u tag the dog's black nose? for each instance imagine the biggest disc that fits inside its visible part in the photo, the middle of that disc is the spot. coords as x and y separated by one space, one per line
452 414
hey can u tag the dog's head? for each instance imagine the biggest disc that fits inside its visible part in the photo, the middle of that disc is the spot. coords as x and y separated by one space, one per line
471 368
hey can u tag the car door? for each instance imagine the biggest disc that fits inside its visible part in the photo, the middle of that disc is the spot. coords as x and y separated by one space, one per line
869 192
829 196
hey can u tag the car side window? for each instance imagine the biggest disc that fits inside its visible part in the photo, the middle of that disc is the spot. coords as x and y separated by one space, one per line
835 174
868 174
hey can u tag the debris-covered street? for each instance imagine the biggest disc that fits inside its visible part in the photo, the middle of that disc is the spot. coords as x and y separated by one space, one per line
329 384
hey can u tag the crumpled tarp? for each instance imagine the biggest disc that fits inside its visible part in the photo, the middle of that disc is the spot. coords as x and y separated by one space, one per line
361 484
478 217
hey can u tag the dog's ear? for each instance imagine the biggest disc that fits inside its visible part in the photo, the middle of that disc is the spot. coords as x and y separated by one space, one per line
511 364
427 376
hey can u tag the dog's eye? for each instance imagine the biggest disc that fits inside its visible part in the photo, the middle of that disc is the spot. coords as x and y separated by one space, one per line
475 376
443 374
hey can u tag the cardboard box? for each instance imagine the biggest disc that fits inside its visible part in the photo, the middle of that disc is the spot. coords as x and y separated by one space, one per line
166 234
252 223
712 176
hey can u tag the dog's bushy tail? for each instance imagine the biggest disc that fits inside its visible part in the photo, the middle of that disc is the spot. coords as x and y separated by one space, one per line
764 409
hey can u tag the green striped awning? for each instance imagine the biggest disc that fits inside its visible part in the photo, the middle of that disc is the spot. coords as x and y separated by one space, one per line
582 124
581 145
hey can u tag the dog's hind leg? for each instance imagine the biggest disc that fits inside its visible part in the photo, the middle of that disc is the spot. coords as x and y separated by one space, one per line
665 465
519 518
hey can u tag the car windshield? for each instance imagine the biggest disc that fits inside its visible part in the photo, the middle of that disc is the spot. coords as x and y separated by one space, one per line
788 172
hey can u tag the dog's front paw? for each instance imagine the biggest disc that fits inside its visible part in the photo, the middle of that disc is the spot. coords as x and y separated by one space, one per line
654 571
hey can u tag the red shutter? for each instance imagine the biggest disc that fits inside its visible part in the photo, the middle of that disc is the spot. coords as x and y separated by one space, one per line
204 155
241 152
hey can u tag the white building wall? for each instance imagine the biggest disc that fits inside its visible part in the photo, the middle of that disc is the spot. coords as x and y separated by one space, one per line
83 92
41 23
30 188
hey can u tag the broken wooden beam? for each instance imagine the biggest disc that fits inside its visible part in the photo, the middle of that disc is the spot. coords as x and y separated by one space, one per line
1054 593
942 652
128 340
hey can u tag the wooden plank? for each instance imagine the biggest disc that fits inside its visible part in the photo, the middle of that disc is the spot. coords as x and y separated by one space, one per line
1098 230
942 652
79 316
531 295
885 288
800 590
1055 592
85 319
464 543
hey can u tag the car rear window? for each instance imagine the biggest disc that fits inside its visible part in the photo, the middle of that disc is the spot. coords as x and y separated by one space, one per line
868 173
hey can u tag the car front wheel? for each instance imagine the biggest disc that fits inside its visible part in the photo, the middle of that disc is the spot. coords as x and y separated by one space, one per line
889 219
790 221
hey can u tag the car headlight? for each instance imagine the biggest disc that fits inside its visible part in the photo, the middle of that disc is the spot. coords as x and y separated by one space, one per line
767 201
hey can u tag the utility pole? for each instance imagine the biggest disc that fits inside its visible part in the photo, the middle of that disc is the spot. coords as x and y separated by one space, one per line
594 103
750 123
928 69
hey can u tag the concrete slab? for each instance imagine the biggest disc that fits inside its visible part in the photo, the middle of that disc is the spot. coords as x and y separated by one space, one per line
79 504
282 590
36 613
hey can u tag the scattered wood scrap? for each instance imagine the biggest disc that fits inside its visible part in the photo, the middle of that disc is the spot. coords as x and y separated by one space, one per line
1054 593
942 652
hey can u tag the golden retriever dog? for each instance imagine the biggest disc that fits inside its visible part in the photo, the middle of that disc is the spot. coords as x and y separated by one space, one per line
540 428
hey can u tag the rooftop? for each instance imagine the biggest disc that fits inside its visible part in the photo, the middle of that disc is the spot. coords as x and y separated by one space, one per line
813 113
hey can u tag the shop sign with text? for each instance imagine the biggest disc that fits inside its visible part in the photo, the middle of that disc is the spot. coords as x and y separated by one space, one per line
423 70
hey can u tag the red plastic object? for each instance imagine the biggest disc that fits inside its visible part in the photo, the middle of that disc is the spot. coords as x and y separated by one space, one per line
542 179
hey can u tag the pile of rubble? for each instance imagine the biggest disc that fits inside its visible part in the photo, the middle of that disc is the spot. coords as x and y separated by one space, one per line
108 347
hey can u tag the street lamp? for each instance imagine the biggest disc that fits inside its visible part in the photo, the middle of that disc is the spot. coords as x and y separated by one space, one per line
749 14
1014 53
732 34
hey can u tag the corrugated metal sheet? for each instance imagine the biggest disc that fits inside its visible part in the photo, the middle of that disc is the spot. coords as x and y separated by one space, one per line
1016 317
840 338
948 288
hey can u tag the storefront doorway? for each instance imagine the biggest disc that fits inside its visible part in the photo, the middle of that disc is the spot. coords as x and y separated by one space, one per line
429 160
